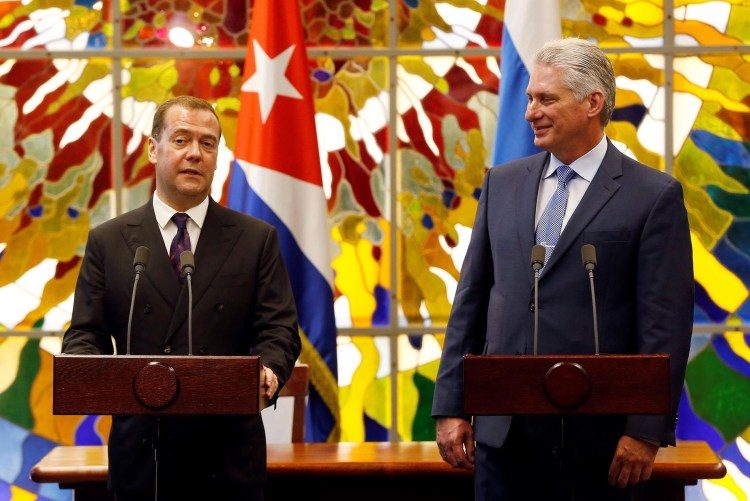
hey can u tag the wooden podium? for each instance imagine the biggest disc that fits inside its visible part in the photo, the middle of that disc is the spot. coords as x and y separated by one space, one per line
156 385
566 384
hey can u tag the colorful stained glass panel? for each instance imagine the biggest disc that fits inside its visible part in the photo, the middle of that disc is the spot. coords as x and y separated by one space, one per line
612 23
56 25
449 24
711 162
203 24
712 23
364 374
446 125
55 181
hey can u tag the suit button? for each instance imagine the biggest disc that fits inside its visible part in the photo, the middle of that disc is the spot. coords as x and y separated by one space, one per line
202 350
146 308
219 307
167 350
531 306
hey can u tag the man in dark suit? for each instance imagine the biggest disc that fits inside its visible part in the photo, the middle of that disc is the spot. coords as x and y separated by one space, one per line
242 305
582 190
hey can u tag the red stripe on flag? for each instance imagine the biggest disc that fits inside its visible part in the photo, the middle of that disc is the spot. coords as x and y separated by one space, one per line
287 140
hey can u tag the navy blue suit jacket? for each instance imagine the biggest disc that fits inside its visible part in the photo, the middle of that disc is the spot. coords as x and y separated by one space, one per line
636 219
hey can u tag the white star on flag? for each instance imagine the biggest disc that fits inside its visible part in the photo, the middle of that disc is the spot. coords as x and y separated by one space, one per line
269 79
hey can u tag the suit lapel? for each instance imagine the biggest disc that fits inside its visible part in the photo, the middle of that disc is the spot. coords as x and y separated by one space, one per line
526 206
601 189
217 239
142 229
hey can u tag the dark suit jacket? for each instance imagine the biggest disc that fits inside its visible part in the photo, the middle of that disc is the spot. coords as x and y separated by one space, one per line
636 219
242 305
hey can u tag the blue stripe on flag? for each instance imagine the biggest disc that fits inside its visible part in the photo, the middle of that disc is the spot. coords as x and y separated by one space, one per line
312 295
513 138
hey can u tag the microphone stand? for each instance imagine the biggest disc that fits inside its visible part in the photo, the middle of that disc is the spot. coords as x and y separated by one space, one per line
590 269
537 263
536 308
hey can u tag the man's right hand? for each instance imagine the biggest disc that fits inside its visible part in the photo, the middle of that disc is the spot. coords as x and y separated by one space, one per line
455 440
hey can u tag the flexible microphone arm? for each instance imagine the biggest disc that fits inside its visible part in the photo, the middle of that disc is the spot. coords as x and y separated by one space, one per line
588 257
537 262
139 264
187 264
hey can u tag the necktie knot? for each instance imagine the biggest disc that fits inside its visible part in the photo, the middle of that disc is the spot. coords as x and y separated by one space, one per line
564 174
180 219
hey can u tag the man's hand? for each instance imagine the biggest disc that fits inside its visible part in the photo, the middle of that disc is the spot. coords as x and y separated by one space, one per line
270 382
455 440
633 461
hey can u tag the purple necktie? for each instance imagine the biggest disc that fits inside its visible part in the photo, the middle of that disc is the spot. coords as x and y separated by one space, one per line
180 243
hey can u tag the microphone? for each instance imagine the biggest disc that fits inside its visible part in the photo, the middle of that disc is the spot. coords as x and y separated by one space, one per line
187 266
588 257
140 260
537 262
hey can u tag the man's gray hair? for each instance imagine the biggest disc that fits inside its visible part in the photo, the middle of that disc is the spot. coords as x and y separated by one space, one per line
585 68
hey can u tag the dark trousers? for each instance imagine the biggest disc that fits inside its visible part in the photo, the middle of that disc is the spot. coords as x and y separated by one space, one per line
532 464
195 493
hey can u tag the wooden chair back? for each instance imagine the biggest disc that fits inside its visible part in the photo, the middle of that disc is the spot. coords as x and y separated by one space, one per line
298 386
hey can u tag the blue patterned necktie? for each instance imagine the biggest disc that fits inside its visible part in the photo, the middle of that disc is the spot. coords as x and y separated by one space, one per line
180 243
550 224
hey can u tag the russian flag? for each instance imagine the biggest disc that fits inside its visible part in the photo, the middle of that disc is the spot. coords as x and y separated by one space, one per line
276 177
528 26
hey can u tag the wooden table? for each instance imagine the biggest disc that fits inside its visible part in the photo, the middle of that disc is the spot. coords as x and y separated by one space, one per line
368 471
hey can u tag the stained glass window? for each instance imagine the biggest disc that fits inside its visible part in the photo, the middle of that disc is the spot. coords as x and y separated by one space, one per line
406 126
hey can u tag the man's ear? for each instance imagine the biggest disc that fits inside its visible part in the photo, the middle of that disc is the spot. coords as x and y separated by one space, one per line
596 103
152 150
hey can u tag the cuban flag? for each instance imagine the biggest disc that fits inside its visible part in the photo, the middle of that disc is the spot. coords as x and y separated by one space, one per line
528 25
276 177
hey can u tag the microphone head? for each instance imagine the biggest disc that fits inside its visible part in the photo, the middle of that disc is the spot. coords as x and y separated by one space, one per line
140 260
537 256
588 256
187 262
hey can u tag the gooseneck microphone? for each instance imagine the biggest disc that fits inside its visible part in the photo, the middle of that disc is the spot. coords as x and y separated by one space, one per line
139 265
537 263
187 265
588 257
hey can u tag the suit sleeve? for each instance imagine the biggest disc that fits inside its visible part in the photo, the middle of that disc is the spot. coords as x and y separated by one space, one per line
665 298
467 324
87 334
275 315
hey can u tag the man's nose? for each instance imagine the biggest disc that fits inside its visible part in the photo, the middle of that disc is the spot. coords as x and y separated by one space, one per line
532 111
194 151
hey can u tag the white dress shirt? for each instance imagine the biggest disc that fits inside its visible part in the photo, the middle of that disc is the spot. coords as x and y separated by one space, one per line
585 167
196 217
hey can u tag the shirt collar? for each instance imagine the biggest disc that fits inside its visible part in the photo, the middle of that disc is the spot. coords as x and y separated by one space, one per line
585 166
164 212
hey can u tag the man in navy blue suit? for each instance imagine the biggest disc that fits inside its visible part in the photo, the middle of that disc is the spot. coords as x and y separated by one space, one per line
580 190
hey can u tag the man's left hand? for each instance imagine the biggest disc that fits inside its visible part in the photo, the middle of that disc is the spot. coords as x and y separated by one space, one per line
270 382
633 461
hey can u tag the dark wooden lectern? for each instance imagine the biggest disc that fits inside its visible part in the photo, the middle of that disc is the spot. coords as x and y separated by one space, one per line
566 384
156 385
